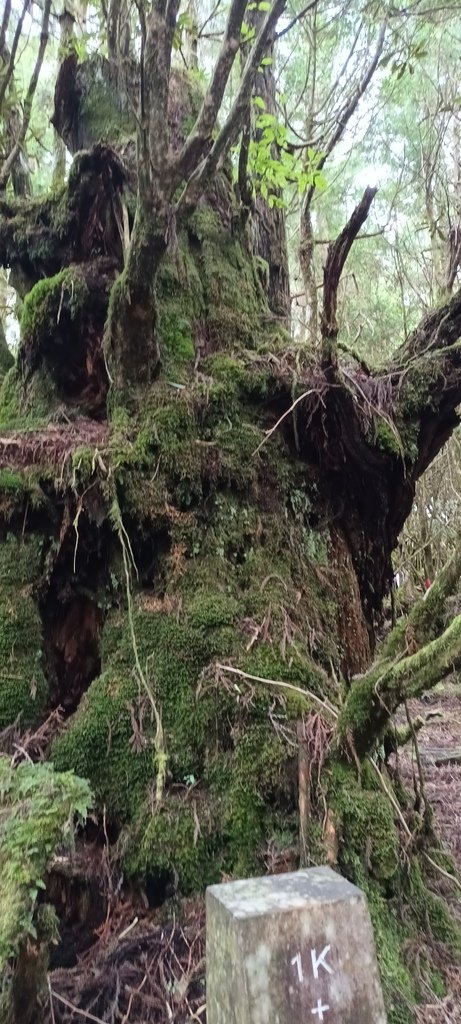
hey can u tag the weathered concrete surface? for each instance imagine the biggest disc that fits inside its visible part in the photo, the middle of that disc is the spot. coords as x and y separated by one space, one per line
291 949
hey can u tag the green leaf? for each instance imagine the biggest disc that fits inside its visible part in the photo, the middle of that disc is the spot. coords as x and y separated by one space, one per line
247 32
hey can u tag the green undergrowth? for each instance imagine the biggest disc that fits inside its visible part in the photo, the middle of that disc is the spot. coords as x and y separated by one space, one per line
38 808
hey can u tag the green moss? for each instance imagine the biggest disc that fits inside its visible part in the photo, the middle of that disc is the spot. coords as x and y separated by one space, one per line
6 356
267 660
387 439
176 840
179 282
110 740
204 223
432 912
231 290
369 840
226 369
97 743
177 342
12 483
246 784
208 611
23 687
37 809
415 390
41 306
101 737
357 712
181 310
102 116
399 989
20 560
402 906
26 406
29 236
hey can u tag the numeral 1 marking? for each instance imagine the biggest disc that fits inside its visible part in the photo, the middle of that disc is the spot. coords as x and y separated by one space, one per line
299 967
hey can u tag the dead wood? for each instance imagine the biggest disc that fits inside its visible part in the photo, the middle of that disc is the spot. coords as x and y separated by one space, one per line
338 252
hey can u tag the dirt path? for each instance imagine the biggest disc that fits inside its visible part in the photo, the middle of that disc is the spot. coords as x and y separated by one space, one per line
440 746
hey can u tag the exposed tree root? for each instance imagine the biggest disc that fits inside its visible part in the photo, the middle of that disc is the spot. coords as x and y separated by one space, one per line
153 973
52 445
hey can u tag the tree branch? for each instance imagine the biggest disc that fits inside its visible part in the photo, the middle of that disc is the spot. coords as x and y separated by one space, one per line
298 17
423 616
5 80
338 252
438 330
199 140
5 23
349 110
231 128
372 701
157 65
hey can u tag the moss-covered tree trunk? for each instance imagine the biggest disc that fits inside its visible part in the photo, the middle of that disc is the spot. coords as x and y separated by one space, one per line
193 570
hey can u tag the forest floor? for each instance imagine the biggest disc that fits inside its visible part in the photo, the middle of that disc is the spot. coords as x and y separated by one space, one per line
145 965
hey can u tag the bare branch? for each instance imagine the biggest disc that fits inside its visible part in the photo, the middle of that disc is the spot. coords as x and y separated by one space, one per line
338 252
439 330
199 140
351 107
232 126
298 17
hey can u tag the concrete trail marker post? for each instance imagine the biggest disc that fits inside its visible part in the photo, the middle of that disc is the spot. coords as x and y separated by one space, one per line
291 949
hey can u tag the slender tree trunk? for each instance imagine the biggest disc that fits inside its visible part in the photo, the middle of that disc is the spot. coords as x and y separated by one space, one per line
306 259
269 223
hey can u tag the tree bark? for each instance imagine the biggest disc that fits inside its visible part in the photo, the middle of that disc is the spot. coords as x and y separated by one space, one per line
132 346
306 261
268 223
